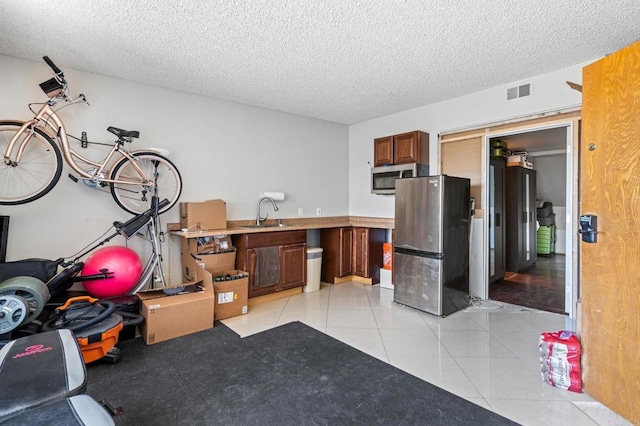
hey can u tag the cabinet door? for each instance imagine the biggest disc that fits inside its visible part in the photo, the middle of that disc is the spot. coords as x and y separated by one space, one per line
361 252
251 269
412 147
383 151
521 218
496 220
531 249
346 252
294 266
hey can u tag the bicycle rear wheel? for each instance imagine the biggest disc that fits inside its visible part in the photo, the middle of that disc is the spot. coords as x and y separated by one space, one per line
135 198
37 172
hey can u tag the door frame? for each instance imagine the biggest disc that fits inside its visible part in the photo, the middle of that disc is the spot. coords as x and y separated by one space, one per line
551 119
572 191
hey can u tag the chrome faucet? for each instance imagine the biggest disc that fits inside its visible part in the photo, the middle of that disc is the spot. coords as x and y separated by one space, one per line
262 219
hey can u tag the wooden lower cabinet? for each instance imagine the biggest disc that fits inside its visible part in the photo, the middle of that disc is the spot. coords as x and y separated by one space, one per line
294 265
291 254
351 251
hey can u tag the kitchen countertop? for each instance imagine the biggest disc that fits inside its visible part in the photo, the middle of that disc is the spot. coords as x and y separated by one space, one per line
235 227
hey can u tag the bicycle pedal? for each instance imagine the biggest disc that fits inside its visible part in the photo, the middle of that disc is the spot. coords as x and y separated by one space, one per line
73 178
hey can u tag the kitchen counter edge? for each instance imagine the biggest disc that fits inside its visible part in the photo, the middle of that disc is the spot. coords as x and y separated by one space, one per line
235 227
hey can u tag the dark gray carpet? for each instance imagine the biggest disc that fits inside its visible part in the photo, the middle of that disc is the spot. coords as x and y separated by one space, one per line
290 375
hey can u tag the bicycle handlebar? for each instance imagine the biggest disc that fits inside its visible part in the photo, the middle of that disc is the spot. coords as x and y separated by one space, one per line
53 66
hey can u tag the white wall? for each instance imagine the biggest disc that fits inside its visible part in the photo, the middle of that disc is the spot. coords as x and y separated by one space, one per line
549 92
551 178
233 151
223 150
551 186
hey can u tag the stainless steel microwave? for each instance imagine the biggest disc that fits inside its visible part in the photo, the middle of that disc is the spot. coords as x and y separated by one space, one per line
383 178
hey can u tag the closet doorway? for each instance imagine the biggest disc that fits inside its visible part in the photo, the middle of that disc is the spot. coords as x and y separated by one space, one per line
528 198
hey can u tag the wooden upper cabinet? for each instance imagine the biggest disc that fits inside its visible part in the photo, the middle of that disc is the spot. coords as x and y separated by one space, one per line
412 147
383 151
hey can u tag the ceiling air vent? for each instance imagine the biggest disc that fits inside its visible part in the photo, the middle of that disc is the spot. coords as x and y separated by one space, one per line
518 91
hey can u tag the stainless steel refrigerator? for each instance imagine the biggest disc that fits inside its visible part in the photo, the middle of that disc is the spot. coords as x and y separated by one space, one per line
431 263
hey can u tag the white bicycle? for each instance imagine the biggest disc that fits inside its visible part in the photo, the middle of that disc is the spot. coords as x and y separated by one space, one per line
34 151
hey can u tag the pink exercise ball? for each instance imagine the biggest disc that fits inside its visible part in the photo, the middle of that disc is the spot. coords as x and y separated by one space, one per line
123 262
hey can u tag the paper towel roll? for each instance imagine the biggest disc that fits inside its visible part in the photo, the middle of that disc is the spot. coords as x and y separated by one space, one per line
277 196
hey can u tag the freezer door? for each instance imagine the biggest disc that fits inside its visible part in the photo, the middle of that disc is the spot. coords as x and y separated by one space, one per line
418 282
418 214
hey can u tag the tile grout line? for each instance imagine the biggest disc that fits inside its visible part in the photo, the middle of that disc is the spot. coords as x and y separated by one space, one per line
378 328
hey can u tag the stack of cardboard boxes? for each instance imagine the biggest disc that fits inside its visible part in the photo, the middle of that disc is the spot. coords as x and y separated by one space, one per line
212 288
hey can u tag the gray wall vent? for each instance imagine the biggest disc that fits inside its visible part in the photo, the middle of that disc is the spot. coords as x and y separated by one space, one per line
518 91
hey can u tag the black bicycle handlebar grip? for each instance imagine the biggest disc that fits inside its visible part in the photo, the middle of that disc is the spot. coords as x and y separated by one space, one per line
53 66
163 203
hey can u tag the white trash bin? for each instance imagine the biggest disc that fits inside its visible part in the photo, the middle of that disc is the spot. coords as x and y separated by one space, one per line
314 267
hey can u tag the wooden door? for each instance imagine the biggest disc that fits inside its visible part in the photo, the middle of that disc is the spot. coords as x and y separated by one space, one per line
610 189
346 252
294 266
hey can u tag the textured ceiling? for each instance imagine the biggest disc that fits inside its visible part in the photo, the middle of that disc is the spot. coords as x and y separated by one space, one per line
338 60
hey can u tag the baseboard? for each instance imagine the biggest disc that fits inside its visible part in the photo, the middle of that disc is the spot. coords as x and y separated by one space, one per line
356 278
274 296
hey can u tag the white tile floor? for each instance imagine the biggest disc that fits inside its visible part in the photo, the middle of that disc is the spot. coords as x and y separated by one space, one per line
485 354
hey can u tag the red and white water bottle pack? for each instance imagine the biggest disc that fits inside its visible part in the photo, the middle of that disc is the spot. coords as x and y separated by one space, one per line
560 360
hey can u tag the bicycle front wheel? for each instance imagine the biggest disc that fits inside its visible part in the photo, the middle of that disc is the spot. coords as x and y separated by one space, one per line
135 197
38 170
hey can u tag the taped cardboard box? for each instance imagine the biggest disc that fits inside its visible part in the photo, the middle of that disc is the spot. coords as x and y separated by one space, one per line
169 316
203 216
231 297
232 294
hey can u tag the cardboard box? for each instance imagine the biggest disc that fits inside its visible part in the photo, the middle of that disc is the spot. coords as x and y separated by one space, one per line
214 263
517 158
214 244
231 297
203 216
170 316
525 164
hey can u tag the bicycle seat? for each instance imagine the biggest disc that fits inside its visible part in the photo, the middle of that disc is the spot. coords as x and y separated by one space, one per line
124 133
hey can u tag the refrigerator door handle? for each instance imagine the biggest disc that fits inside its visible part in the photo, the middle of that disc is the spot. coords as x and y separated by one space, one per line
418 253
